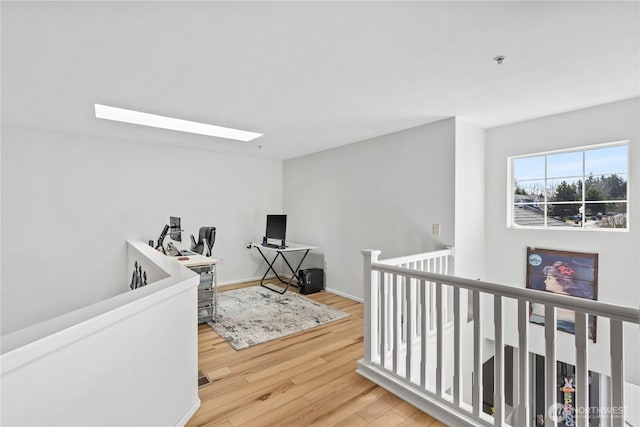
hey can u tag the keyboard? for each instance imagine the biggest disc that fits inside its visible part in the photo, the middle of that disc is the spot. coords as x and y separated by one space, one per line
272 245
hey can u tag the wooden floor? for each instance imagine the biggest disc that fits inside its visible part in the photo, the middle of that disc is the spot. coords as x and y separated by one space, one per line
304 379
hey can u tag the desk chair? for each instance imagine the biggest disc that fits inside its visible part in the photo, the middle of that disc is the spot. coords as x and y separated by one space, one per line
206 239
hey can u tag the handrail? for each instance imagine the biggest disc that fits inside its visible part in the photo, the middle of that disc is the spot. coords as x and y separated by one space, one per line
416 257
598 308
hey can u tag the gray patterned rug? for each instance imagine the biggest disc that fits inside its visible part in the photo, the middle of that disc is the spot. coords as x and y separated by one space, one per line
251 316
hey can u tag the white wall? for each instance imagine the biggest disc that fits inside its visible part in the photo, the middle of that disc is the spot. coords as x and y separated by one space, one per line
70 202
469 226
384 193
470 200
619 252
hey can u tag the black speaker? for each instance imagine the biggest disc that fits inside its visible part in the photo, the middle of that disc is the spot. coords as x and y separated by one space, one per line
311 280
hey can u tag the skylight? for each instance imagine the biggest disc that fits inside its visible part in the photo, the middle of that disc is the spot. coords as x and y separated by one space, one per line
163 122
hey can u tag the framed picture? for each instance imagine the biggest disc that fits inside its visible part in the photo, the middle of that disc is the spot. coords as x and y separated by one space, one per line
562 272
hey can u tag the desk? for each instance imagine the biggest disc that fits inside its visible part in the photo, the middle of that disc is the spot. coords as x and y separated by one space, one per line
208 287
280 252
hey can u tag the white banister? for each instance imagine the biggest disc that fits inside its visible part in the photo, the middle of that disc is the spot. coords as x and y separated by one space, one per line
594 308
420 320
423 257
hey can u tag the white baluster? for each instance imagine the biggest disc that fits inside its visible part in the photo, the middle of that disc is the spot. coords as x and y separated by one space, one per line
457 374
415 310
396 323
445 270
432 307
477 355
383 319
582 371
419 313
523 364
498 369
439 336
409 319
550 386
423 336
617 373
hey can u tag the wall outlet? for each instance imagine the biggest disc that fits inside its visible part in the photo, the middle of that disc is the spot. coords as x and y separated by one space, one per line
325 265
435 229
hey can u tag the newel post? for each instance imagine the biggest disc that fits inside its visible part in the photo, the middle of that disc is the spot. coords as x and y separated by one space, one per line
370 301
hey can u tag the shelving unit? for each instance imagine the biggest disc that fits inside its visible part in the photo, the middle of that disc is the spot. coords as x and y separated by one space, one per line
207 293
207 308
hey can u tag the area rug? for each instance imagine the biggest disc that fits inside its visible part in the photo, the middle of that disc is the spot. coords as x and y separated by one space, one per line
254 315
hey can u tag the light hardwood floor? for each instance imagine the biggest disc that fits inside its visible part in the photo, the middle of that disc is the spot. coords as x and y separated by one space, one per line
304 379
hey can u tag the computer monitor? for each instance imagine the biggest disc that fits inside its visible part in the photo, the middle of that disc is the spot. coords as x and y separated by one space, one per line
276 227
175 228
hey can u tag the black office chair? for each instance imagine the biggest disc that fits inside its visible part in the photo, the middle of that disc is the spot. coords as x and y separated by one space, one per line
206 239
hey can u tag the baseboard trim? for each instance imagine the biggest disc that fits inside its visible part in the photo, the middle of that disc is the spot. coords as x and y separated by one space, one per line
288 277
345 295
248 279
184 419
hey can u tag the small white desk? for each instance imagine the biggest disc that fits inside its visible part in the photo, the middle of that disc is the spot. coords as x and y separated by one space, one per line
208 287
280 252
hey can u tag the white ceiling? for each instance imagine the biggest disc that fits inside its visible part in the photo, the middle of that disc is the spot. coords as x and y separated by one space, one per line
310 75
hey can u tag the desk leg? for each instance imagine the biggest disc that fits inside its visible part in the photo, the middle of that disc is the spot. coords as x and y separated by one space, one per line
294 275
270 267
294 272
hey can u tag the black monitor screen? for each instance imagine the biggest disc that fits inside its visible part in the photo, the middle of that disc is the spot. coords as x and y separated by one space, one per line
175 229
276 227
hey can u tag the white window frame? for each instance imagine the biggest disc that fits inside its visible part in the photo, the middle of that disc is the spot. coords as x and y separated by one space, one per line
510 188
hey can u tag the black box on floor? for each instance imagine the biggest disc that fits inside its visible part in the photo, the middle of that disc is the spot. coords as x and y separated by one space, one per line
311 280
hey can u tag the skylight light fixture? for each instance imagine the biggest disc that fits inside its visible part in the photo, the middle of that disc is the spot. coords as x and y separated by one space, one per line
153 120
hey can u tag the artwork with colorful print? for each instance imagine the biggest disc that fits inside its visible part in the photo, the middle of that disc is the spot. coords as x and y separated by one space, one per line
567 273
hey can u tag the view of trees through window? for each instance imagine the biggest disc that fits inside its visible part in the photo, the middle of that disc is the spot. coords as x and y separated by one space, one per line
583 188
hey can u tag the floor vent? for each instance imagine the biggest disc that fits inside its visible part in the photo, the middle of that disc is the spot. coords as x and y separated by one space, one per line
203 380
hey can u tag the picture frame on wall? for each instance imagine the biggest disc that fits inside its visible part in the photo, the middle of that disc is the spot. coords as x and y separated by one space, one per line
567 273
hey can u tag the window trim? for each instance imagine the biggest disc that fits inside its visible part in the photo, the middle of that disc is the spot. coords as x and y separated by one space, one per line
510 190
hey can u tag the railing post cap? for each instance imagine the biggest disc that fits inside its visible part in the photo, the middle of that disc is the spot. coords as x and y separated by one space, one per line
371 252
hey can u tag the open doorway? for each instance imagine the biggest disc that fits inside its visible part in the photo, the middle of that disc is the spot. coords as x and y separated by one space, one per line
565 380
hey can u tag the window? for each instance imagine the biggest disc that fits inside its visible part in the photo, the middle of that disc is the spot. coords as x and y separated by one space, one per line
571 189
